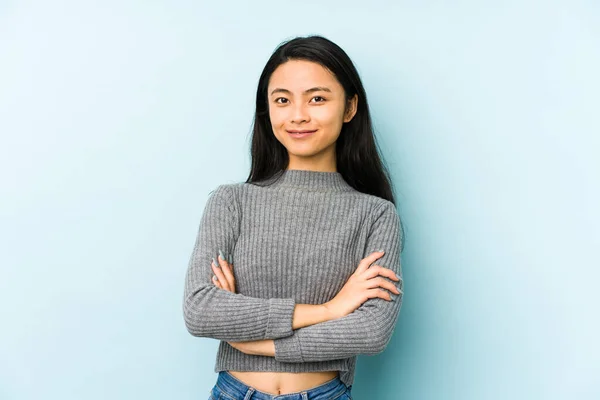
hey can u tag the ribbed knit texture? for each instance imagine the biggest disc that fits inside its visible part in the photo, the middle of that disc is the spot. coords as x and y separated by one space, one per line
295 241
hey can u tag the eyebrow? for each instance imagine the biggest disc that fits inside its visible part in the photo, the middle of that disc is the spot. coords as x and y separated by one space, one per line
314 89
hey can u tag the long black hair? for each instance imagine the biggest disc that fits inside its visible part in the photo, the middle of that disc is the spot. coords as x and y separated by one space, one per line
357 155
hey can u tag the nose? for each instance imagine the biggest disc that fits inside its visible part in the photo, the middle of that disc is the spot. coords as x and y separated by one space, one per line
299 114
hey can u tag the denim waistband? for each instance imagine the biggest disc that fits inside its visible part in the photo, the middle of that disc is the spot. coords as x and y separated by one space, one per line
237 389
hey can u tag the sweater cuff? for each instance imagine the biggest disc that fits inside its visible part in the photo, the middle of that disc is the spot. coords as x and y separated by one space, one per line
288 349
281 314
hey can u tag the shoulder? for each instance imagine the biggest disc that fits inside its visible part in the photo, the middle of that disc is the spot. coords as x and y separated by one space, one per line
225 189
226 194
236 193
376 205
383 214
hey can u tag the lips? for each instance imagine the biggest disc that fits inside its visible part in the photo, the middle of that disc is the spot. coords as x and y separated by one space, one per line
300 134
301 131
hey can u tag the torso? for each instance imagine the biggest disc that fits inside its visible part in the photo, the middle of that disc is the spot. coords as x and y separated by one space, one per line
278 383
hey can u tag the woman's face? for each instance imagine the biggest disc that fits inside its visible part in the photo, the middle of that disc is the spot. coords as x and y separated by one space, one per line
305 96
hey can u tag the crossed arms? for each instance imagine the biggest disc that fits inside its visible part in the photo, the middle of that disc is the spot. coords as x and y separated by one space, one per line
220 314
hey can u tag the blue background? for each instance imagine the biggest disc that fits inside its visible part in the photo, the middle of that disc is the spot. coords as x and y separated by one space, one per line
118 117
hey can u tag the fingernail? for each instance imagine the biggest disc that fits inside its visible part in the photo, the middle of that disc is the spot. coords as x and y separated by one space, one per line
381 251
215 278
230 257
397 275
393 296
216 263
222 255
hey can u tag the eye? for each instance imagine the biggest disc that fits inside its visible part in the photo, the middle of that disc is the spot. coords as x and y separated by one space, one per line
319 97
280 98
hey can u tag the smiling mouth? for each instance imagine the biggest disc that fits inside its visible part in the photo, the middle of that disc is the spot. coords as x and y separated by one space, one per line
300 134
301 131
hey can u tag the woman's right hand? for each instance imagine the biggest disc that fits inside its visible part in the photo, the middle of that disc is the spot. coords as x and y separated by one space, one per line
223 277
362 285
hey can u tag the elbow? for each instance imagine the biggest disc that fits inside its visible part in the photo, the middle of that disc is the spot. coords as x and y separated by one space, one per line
383 345
380 334
376 346
196 315
378 340
194 330
193 322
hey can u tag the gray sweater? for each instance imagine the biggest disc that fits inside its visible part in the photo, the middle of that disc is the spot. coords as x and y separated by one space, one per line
295 241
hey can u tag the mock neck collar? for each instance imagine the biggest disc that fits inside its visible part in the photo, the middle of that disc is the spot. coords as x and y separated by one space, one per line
311 180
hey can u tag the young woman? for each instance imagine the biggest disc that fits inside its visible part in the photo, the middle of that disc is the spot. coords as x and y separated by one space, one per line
305 271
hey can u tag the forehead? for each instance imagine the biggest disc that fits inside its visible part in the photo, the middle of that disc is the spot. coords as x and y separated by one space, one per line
297 75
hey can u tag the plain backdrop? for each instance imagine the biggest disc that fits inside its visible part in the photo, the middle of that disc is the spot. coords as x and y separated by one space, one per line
117 118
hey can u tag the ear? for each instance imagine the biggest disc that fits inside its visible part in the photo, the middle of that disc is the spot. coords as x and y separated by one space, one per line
351 108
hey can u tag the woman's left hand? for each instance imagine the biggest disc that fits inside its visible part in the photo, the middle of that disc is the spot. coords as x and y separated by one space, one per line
256 347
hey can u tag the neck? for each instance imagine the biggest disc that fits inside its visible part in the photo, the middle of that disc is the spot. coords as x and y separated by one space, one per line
311 180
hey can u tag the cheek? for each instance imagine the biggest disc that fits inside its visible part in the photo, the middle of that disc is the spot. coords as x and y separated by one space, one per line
328 116
276 116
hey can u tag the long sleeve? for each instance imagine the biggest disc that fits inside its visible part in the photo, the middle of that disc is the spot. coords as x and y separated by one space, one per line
369 328
216 313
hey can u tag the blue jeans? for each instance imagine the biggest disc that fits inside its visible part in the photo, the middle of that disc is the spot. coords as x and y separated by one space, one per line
229 387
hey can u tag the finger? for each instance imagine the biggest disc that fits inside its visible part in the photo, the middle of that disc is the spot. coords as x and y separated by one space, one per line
216 282
381 293
376 269
383 283
368 260
226 270
219 273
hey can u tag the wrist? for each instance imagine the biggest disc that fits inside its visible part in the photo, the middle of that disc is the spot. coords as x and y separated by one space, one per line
328 314
264 347
328 311
310 314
